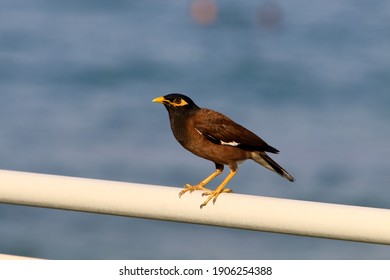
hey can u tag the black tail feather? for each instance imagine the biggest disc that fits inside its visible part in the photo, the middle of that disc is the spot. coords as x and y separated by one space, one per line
263 159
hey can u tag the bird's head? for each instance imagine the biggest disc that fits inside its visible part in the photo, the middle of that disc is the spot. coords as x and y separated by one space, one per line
176 102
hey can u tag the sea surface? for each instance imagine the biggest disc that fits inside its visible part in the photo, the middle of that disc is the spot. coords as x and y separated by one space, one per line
312 78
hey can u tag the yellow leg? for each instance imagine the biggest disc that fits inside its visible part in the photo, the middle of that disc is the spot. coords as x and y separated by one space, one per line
221 188
201 185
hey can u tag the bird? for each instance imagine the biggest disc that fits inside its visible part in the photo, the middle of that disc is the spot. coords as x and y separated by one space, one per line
215 137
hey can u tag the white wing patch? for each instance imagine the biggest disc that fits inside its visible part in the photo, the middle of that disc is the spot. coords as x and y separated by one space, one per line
198 131
233 143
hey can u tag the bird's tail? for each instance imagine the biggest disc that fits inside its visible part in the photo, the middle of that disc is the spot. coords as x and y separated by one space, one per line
263 159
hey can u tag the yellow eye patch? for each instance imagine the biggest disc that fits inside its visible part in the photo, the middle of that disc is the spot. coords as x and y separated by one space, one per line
177 102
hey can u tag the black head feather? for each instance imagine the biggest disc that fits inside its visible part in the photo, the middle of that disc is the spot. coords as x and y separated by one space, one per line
178 100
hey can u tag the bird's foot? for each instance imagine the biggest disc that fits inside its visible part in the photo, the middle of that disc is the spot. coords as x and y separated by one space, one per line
191 188
213 195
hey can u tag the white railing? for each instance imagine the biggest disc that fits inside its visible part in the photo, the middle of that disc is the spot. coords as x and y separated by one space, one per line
13 257
314 219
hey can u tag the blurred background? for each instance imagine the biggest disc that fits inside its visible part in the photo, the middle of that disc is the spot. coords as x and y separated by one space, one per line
77 79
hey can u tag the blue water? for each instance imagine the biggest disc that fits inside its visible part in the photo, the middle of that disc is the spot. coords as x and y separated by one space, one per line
77 79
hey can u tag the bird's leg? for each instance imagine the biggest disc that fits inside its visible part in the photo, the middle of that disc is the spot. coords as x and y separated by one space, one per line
200 186
221 188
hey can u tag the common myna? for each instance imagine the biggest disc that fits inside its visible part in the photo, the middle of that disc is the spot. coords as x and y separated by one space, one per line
214 136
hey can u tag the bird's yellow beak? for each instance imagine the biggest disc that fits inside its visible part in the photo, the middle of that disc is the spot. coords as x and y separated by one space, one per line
160 99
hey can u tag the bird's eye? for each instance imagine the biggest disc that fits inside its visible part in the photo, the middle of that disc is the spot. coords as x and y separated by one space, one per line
177 101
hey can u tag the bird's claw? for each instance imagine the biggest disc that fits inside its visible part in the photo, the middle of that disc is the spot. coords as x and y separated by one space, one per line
213 195
209 192
191 188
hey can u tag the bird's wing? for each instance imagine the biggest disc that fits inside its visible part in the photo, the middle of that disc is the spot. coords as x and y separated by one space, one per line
220 129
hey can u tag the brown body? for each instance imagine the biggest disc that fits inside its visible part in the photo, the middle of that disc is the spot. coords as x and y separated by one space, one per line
222 154
215 137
